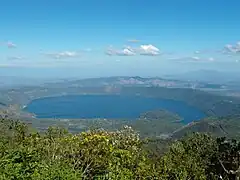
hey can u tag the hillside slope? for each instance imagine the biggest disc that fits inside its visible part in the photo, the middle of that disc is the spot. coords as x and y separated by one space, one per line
217 126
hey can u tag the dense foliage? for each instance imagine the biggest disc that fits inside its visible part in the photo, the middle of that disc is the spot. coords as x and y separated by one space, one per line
57 154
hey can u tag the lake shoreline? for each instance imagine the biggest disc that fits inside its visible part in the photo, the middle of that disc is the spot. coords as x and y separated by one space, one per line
122 99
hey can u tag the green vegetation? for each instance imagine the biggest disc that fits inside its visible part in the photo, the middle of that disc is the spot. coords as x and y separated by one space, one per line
217 126
211 104
155 123
70 149
58 154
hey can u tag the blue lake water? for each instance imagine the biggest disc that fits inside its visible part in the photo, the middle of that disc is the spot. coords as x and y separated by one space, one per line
108 106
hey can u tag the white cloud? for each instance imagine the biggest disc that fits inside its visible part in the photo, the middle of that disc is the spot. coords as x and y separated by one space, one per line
238 45
229 48
234 49
195 58
127 51
63 55
11 45
149 50
110 52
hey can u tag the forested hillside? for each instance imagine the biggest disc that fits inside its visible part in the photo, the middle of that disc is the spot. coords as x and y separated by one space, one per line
58 154
211 104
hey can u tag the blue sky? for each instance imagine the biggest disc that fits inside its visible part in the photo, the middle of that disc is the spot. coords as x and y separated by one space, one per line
109 37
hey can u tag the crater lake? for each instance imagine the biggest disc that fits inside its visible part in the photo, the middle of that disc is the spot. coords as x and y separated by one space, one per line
108 106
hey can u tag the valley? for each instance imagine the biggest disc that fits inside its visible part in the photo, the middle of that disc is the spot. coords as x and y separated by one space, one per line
14 101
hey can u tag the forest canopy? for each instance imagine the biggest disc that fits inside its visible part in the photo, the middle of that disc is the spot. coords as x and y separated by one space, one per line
58 154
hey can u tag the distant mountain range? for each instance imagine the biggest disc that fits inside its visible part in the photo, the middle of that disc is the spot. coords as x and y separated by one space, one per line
203 76
209 76
135 81
187 80
14 81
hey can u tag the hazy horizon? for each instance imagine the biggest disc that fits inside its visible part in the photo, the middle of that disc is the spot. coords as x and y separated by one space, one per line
45 39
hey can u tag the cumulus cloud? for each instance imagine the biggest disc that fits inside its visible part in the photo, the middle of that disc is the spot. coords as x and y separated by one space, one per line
63 55
149 50
229 48
146 50
11 45
126 51
234 49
